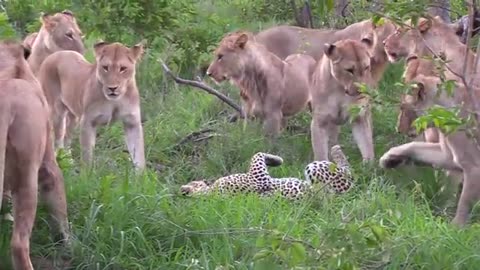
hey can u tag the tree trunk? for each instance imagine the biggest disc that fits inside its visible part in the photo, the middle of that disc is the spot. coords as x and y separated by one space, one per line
441 8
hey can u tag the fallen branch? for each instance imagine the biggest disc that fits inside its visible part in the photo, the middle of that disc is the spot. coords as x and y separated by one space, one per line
195 137
202 86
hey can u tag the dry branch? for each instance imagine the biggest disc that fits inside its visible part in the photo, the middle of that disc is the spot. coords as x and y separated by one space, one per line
202 86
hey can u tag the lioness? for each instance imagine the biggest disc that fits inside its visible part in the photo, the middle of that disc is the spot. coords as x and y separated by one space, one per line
28 42
286 40
431 36
345 63
416 66
456 152
27 159
98 93
270 88
58 32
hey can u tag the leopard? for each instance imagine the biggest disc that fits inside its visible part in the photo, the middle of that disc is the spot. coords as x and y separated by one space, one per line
335 176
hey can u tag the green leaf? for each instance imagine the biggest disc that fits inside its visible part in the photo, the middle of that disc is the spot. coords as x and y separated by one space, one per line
262 254
298 252
379 233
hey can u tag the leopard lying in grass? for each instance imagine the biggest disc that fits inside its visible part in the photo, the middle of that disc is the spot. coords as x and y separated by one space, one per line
335 176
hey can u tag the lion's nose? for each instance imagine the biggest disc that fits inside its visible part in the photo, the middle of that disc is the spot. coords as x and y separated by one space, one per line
384 41
113 88
209 73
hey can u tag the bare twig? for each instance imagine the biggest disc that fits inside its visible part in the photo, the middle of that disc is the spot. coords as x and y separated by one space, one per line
202 86
193 136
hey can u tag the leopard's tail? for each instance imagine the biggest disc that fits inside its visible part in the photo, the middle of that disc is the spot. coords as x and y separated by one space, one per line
259 163
339 157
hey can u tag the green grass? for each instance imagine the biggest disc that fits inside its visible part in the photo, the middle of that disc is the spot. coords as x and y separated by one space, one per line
397 219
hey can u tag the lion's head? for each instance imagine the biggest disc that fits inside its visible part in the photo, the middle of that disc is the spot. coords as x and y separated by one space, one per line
230 56
194 187
63 32
12 59
416 102
115 67
350 62
409 39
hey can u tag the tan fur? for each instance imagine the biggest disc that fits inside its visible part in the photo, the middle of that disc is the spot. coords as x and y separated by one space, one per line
27 159
286 40
431 34
58 32
416 66
456 152
29 40
271 89
345 63
97 94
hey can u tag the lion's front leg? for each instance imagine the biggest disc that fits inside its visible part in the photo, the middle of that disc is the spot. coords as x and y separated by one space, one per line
272 123
88 135
363 135
320 138
430 153
134 140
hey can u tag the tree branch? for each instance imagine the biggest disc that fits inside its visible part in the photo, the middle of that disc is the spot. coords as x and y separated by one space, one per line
202 86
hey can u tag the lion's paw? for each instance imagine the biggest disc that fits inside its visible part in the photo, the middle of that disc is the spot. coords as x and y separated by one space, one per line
392 158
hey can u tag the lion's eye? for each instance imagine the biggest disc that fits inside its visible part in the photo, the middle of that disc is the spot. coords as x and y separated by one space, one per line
122 69
105 68
349 70
366 68
69 35
219 57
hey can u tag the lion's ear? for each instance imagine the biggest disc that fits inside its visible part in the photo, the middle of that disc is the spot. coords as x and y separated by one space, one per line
241 41
329 49
368 39
138 50
420 91
98 47
68 13
424 24
48 22
26 52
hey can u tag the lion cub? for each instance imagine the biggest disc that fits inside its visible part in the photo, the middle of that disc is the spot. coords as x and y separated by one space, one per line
98 94
27 159
334 90
58 32
271 89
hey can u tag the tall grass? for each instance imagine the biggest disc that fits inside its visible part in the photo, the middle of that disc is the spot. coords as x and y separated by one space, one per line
396 219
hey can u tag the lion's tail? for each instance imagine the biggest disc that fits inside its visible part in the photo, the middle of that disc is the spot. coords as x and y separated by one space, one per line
4 125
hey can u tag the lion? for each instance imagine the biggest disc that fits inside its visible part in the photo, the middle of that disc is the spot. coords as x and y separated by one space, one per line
431 37
58 32
286 40
97 94
415 66
334 88
27 159
271 89
457 152
28 42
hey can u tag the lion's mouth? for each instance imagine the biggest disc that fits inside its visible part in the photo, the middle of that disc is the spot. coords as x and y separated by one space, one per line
392 57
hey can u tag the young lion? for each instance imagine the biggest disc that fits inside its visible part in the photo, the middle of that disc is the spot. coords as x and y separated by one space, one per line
455 152
28 43
271 89
27 159
98 93
345 63
431 36
58 32
285 40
